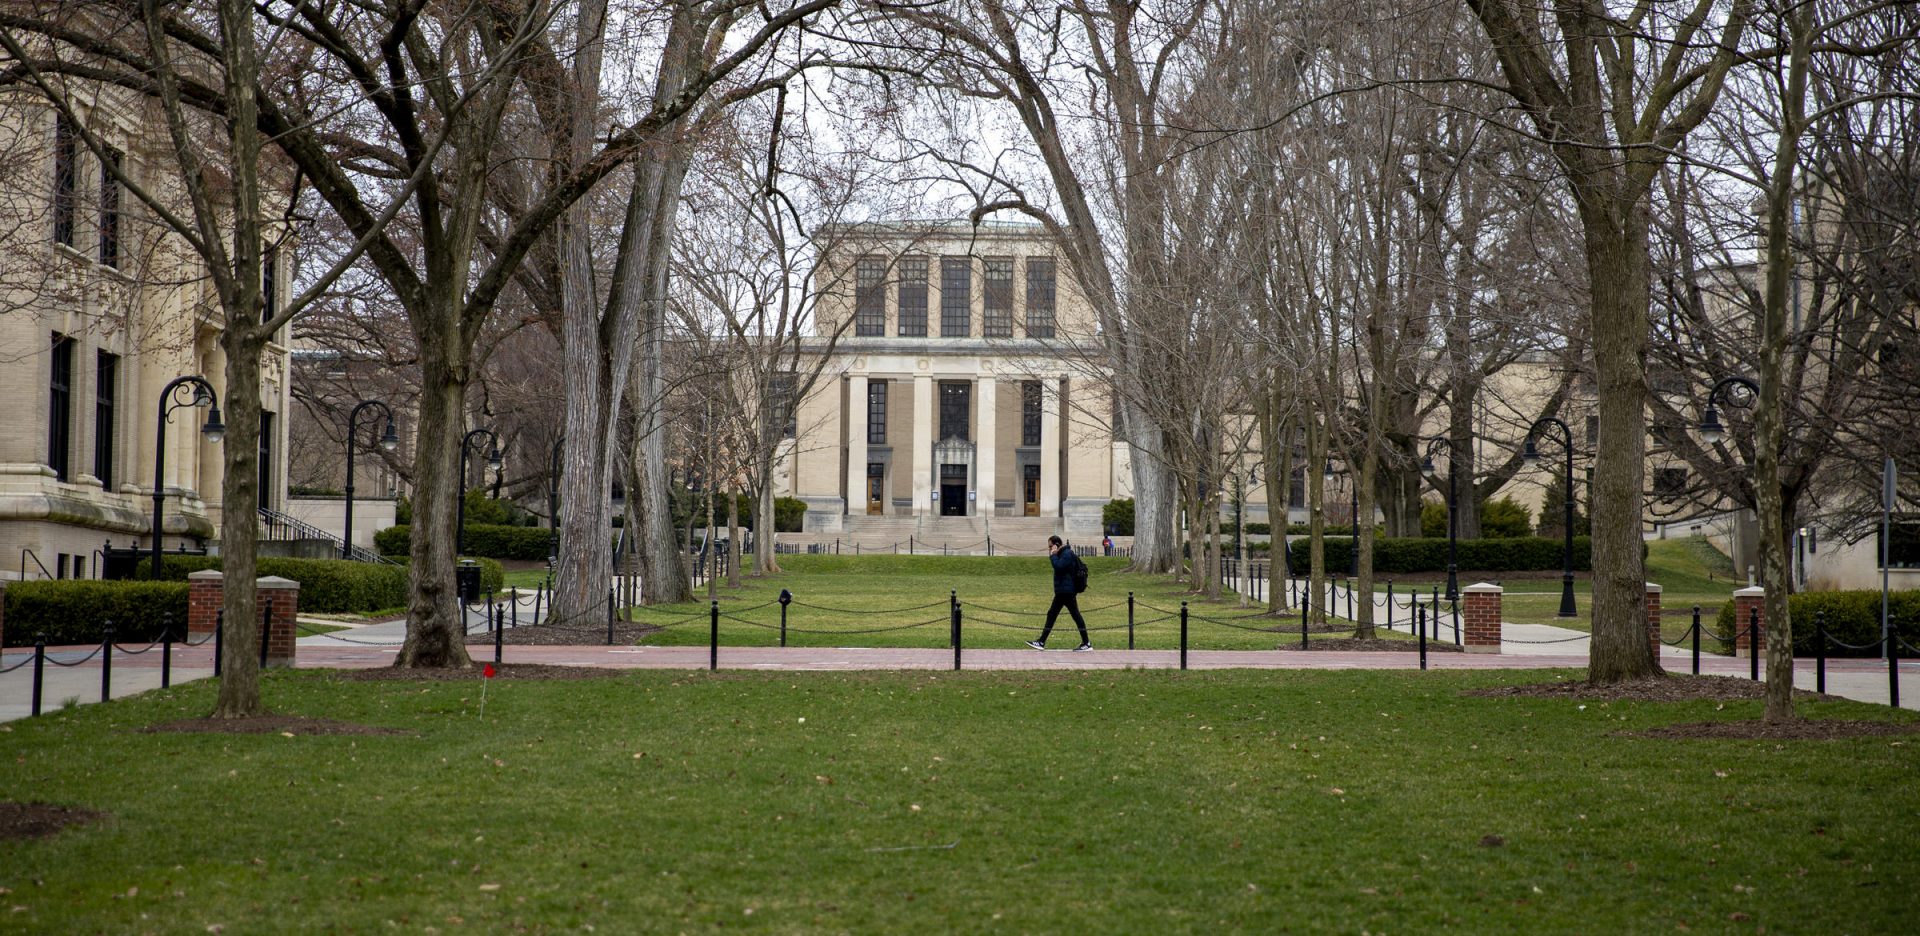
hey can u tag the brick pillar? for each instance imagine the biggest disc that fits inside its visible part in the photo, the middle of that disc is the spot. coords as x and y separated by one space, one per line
285 597
1748 602
1480 617
1653 618
203 600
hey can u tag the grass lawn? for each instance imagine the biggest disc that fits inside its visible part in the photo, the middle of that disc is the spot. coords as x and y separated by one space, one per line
876 601
1125 801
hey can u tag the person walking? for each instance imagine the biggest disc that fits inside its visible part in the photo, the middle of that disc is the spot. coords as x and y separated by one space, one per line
1069 580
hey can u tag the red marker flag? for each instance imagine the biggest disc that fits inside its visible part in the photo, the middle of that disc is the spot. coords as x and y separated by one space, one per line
488 672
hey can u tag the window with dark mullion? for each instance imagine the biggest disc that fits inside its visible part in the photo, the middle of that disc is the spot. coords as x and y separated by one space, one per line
997 298
60 407
956 403
876 412
105 395
266 459
956 297
66 179
269 284
110 209
1040 297
1030 412
913 297
869 297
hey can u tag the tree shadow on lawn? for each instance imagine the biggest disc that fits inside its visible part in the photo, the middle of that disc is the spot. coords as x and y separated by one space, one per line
1683 688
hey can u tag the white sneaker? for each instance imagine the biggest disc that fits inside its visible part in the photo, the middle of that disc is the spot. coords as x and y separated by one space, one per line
1037 645
1084 646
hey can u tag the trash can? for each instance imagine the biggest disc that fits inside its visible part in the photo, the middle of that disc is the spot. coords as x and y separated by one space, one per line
466 580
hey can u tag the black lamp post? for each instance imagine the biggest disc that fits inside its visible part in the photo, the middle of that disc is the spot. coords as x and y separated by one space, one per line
1453 510
388 442
1531 455
171 399
1353 508
493 461
1710 429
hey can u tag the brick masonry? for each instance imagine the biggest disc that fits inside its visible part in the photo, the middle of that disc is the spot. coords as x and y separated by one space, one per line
1480 617
278 599
1749 605
1653 618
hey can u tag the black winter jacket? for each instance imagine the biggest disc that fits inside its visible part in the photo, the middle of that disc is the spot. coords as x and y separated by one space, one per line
1063 563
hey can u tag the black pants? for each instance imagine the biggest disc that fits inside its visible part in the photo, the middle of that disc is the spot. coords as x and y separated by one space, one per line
1071 602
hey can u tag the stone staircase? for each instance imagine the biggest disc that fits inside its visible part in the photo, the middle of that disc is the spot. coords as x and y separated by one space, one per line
960 536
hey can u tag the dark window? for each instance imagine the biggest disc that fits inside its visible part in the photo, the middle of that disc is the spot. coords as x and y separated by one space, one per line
60 407
782 391
110 210
105 394
1297 488
266 459
956 297
1905 542
60 566
876 412
997 299
1030 412
269 283
66 179
956 399
1593 428
913 297
1669 482
870 297
1040 298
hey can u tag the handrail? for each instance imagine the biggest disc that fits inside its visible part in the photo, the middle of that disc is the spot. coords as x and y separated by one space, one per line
275 520
26 554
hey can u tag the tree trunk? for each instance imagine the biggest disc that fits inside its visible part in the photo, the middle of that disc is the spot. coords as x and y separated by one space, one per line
1155 494
435 636
1462 463
1617 268
765 537
1280 479
240 525
1273 477
1363 531
1316 523
733 538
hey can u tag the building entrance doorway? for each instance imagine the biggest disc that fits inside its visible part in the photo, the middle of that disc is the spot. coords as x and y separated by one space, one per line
953 490
1030 490
876 488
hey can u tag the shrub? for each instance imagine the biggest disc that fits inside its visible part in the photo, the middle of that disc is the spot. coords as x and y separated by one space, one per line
1851 617
75 611
1429 554
330 586
1331 529
1117 516
1503 518
788 512
485 540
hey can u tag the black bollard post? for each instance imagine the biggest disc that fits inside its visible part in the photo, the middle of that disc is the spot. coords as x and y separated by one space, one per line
490 607
1753 645
39 670
786 598
499 638
539 593
953 605
106 663
1696 640
1129 620
1350 616
1457 641
1303 625
219 640
609 617
713 637
956 638
1893 668
1420 614
1183 635
166 651
1820 651
1389 604
514 622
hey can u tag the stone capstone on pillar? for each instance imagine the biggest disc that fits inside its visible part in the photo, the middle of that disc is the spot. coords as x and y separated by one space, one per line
1480 617
1749 610
1653 618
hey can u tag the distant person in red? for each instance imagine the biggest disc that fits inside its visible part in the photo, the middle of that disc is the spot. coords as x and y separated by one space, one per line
1069 580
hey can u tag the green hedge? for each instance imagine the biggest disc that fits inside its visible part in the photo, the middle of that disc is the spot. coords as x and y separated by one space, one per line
1117 516
492 541
75 611
788 514
331 586
1405 556
1848 616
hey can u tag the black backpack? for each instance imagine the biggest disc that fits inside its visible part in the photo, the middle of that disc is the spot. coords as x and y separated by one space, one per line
1079 574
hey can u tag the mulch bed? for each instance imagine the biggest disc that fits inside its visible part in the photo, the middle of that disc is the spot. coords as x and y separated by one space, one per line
516 671
1671 688
39 820
625 634
270 724
1805 729
1378 644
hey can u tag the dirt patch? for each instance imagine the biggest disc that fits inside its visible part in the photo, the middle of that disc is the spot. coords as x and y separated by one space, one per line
1673 688
517 671
40 820
270 724
625 634
1804 729
1376 645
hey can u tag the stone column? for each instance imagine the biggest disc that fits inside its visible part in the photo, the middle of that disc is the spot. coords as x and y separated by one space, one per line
282 599
203 601
1480 617
856 444
922 461
984 452
1749 605
1051 391
1653 618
